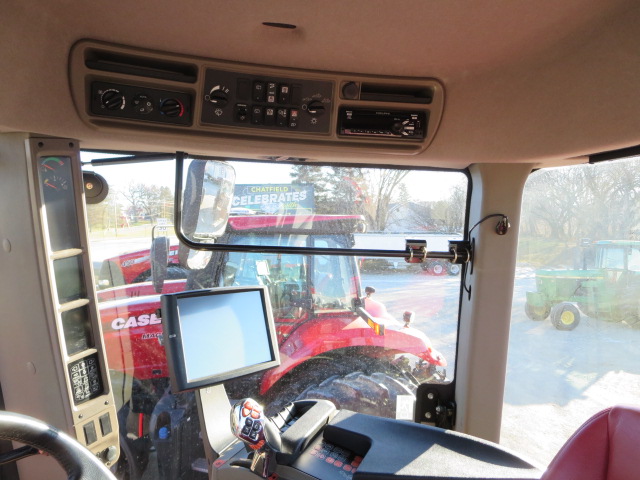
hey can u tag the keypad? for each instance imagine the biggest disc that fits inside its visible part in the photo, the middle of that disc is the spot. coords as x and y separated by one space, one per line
326 460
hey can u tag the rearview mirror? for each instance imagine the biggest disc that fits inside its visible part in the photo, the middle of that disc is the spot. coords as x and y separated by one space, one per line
206 199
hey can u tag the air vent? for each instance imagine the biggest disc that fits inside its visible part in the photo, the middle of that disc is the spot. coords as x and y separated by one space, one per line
141 66
396 93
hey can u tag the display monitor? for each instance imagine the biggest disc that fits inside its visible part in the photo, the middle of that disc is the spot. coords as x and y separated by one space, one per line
214 335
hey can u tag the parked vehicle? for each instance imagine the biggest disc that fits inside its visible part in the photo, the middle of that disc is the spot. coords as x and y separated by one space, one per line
329 351
606 291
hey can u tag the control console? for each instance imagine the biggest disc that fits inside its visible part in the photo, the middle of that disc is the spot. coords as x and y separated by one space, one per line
156 95
266 102
140 103
313 440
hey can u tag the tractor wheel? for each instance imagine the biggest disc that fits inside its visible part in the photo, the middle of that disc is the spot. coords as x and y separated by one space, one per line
438 268
453 269
373 393
126 467
565 316
536 313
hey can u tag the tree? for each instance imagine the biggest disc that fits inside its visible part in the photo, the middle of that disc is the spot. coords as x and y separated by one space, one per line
586 201
149 201
349 190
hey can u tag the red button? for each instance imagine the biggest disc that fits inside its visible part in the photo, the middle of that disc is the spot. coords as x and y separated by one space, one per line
338 463
255 414
347 468
330 460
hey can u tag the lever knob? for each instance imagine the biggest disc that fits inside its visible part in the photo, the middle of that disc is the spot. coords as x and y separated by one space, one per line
249 424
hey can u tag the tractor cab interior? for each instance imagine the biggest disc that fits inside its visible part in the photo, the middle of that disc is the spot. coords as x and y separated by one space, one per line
297 240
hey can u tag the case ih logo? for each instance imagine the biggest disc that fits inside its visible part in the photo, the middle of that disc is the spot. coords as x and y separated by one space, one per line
132 322
274 198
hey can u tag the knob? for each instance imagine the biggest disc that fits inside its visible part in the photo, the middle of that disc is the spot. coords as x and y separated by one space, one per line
111 453
112 99
219 96
350 90
397 127
142 104
315 108
171 108
249 424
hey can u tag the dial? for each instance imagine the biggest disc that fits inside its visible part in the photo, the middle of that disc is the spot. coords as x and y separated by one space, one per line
142 104
112 99
315 108
172 107
218 95
53 177
56 182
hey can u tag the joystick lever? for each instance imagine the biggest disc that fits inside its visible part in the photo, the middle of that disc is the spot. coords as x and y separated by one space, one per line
249 424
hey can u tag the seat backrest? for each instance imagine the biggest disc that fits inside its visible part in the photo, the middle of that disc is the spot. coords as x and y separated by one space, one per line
606 447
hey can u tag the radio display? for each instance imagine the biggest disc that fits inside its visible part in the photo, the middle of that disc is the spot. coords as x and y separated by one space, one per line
382 123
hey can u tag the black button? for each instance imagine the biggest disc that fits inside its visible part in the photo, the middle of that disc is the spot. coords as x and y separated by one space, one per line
272 89
296 94
283 94
243 87
246 430
269 116
90 433
258 92
248 422
281 118
293 118
241 112
256 115
105 424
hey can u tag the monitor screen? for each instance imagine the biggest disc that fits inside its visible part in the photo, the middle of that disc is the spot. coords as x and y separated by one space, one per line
214 335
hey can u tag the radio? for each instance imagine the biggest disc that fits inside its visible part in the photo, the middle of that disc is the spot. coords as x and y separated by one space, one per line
382 123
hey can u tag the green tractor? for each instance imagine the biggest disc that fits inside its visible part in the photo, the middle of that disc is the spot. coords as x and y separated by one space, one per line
606 288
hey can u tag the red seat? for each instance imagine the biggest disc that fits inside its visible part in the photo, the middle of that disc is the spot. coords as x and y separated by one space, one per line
606 447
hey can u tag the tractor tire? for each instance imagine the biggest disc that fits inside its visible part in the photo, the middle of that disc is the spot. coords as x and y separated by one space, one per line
372 393
126 468
565 316
453 269
438 268
536 313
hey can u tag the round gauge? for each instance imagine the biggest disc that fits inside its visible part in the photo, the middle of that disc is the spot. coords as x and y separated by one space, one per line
56 182
51 164
53 177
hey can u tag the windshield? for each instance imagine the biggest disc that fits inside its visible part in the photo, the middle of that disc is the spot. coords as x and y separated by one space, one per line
328 281
327 349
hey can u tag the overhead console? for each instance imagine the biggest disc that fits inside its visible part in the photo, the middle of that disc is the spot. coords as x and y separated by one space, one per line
122 87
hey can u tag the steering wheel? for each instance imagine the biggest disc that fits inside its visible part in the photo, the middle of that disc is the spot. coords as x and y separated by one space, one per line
76 460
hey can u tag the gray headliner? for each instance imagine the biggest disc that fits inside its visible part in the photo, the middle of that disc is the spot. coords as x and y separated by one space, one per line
540 82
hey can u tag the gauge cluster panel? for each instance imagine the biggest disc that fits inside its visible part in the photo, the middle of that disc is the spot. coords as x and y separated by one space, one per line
266 102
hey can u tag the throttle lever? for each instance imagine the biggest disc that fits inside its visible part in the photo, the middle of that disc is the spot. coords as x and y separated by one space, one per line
249 424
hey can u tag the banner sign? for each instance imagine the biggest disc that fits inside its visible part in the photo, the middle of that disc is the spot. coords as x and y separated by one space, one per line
272 199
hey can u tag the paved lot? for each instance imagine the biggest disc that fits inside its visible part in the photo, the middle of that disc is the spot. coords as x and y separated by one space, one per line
555 380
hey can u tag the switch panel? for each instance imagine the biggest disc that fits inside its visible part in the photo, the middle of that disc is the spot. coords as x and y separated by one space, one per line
264 102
